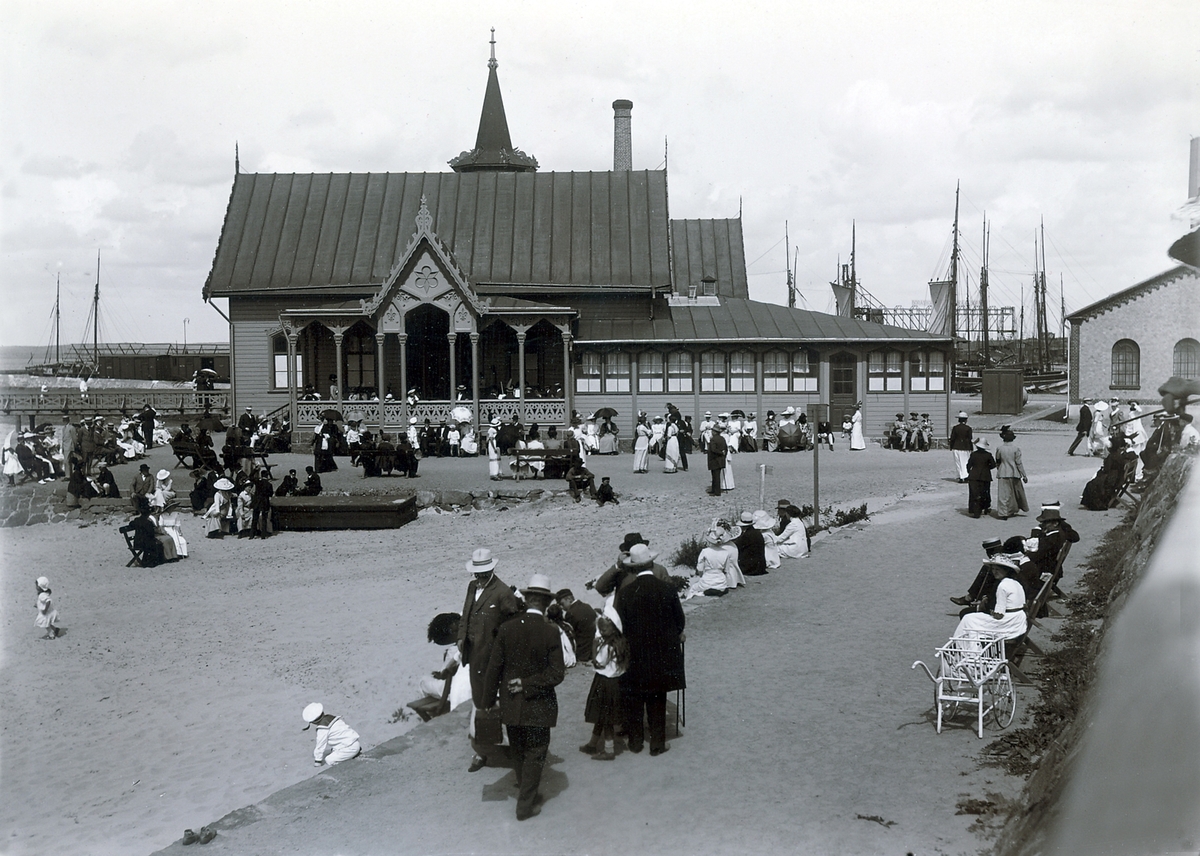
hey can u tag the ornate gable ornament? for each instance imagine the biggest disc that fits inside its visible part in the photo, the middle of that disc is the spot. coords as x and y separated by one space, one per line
424 283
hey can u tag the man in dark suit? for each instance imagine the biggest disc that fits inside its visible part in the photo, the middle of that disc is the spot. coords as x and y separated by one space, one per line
489 602
146 416
717 449
582 619
752 551
248 423
1082 429
653 626
525 665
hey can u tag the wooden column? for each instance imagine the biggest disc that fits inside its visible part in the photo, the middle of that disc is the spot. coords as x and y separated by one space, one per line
568 377
403 338
338 336
291 372
475 383
696 390
906 373
633 391
380 379
452 338
521 375
758 388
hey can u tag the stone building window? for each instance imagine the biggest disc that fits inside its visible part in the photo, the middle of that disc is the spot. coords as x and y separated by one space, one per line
1185 361
1126 365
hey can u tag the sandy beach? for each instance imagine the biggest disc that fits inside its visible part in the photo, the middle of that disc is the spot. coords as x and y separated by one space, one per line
174 697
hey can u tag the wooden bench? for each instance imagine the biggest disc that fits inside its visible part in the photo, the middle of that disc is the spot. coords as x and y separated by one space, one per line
343 512
523 457
1017 647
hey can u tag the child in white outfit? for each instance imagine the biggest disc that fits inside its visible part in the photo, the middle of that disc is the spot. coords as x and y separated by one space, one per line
47 614
336 741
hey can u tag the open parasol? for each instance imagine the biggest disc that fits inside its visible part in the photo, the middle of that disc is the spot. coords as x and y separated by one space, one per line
208 372
738 414
461 414
356 416
605 413
330 413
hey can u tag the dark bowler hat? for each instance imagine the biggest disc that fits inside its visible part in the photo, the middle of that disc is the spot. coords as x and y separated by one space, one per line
632 538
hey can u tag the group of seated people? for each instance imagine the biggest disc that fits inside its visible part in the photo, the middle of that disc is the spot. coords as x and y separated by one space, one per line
381 457
914 434
34 455
155 535
1012 575
755 545
792 432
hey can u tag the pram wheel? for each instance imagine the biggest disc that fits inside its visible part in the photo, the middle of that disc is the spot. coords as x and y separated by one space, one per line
1002 699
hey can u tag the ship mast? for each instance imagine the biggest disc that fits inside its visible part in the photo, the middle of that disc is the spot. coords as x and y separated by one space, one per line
983 294
96 316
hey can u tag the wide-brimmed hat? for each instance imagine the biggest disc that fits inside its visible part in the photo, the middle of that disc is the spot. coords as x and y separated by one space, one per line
311 714
163 474
981 442
640 556
1101 405
708 413
538 584
762 520
482 561
789 411
746 519
722 415
223 484
43 582
495 421
1050 512
1003 562
712 538
962 414
632 538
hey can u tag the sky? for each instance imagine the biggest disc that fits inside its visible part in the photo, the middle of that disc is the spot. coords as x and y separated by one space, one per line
118 123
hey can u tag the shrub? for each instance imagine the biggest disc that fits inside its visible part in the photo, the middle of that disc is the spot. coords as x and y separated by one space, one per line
688 552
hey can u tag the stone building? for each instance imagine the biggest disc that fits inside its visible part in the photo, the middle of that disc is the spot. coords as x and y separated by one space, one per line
514 292
1127 344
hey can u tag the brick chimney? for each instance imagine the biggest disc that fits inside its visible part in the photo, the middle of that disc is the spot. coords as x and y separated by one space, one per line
622 136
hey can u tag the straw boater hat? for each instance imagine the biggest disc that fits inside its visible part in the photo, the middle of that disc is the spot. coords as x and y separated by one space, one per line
992 544
223 484
747 519
163 474
962 414
482 561
640 557
538 584
311 714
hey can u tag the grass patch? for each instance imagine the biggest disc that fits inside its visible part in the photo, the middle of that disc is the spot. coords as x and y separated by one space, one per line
401 714
688 552
1102 575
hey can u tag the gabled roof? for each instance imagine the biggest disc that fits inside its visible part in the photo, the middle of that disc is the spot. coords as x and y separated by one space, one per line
288 232
1183 272
735 320
713 248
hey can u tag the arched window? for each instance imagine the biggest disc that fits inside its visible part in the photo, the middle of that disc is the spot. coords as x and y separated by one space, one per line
1185 362
1126 365
650 371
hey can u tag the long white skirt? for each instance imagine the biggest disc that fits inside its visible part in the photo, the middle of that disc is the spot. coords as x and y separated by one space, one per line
641 460
727 474
672 461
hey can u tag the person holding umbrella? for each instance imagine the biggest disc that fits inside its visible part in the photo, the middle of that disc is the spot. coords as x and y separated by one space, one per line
327 439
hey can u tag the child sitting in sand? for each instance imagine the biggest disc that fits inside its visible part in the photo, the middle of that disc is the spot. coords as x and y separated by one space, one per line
336 741
47 614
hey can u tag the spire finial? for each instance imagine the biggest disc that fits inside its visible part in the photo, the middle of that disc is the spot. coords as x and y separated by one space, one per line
237 160
492 62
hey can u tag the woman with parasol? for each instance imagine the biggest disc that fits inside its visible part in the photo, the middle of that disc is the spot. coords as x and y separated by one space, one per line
327 439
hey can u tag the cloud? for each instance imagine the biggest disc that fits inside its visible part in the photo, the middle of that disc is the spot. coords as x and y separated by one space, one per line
57 166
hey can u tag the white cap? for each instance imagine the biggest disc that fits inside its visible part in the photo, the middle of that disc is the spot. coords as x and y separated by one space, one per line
312 713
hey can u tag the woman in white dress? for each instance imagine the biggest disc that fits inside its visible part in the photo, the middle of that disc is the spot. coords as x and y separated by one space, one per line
765 524
168 524
220 519
791 537
641 445
1099 441
857 441
493 450
733 567
1007 618
658 435
711 578
164 489
1136 436
727 482
591 437
671 461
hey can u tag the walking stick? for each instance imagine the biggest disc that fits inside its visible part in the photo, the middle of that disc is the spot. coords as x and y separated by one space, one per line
681 698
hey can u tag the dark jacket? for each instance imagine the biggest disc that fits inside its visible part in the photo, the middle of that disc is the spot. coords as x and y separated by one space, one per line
961 437
528 647
980 465
717 449
477 629
653 620
1085 420
582 619
752 555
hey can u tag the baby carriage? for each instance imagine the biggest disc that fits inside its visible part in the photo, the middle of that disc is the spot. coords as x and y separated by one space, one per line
973 672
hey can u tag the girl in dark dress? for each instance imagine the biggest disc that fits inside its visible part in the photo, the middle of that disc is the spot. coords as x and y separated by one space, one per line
603 708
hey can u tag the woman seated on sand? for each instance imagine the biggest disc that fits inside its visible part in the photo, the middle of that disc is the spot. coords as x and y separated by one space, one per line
712 576
791 535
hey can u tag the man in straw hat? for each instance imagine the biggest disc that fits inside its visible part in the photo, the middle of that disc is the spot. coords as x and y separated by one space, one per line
718 449
1055 532
489 602
524 667
653 622
962 443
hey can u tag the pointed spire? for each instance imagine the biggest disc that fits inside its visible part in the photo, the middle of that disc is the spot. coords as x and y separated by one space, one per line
493 150
237 160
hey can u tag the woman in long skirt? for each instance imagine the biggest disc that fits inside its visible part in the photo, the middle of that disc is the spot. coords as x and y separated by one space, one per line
493 450
1010 477
671 459
857 441
641 445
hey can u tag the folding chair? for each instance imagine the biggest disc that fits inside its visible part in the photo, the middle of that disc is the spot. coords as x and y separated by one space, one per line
138 555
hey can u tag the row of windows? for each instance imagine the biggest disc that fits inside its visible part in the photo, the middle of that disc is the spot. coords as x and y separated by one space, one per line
1127 362
783 371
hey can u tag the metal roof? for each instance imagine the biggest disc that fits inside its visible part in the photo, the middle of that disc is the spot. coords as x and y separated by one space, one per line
713 248
739 320
288 232
1133 292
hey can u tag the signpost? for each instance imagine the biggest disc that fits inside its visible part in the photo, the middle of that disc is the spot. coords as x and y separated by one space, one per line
817 413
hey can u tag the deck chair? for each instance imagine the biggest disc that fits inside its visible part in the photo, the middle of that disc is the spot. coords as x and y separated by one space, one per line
1126 487
138 555
1017 648
1056 576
